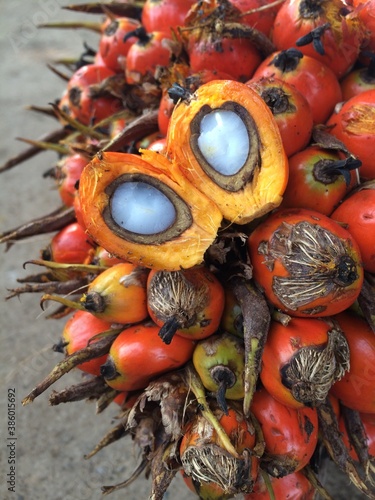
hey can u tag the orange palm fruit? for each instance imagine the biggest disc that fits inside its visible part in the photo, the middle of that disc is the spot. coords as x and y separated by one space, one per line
143 210
118 294
230 148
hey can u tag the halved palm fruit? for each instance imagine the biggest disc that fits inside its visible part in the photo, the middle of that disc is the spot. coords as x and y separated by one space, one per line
227 143
143 210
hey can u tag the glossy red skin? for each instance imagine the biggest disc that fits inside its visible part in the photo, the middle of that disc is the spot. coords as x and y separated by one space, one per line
112 47
356 389
369 427
356 82
366 12
341 48
68 175
71 245
265 275
357 214
164 15
294 486
237 57
289 433
304 190
262 20
140 355
353 124
368 418
282 343
314 80
87 109
144 57
78 330
296 123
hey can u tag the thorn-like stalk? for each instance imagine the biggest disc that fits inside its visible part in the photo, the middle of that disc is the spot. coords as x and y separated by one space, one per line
73 304
111 436
92 388
336 448
54 136
49 223
94 350
256 324
49 146
106 490
92 26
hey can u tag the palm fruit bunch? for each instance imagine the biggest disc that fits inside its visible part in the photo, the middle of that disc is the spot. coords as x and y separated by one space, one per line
219 288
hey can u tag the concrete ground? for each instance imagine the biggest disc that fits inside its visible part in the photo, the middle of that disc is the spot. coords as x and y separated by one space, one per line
51 441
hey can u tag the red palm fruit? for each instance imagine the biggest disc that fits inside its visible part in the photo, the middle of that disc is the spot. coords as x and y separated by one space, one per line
165 15
366 13
290 109
359 80
319 179
201 447
352 123
89 100
314 80
290 435
356 389
138 355
112 46
78 331
146 55
67 173
261 16
326 31
71 245
357 214
294 486
225 50
307 264
302 360
238 57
